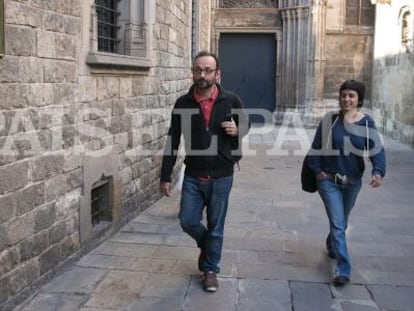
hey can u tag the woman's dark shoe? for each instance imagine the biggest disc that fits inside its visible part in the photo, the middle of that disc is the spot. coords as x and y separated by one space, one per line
340 280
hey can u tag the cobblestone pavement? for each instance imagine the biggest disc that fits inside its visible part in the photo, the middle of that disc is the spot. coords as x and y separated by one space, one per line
273 257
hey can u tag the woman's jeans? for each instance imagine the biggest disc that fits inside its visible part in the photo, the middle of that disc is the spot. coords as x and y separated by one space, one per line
339 201
214 195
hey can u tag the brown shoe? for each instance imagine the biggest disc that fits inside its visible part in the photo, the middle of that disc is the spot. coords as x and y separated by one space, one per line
201 258
210 283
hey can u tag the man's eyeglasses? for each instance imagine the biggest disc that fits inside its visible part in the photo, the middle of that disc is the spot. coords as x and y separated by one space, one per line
207 71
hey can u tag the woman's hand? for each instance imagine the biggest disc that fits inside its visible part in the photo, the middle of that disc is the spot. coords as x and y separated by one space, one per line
376 181
321 175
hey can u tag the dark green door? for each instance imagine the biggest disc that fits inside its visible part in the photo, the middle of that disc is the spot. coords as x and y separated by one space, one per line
248 63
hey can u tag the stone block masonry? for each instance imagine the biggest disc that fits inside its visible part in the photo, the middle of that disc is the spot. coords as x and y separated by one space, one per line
65 127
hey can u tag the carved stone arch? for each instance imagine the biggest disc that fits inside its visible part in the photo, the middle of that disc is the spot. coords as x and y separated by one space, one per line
406 24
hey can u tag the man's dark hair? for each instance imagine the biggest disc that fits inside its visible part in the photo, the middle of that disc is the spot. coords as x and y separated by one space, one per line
206 53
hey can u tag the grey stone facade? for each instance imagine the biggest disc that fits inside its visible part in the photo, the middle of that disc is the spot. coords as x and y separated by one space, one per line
319 45
40 177
74 120
393 70
349 46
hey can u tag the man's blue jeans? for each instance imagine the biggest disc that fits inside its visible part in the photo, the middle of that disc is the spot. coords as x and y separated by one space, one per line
339 201
214 195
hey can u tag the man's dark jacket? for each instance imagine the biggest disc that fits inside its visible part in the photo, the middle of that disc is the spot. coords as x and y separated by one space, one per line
210 152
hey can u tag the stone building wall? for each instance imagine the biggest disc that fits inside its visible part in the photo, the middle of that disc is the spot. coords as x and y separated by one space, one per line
41 179
69 123
349 47
393 74
348 56
204 25
66 126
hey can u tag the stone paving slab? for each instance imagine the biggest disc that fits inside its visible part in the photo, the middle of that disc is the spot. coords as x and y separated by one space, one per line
53 302
311 296
358 305
263 295
273 252
77 280
225 299
393 297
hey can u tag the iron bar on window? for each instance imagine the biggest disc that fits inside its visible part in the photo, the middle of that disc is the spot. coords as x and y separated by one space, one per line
107 25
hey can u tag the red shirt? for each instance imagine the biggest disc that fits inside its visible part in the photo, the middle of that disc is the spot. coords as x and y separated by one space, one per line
206 104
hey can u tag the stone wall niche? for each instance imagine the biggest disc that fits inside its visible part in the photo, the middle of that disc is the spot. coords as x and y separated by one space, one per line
101 202
100 208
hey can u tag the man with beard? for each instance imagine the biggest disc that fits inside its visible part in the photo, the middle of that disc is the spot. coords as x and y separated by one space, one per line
212 122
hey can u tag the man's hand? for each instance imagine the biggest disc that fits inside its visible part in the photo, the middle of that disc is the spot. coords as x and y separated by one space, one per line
230 127
376 181
165 188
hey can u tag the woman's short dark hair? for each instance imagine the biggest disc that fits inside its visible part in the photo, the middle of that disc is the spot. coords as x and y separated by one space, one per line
356 86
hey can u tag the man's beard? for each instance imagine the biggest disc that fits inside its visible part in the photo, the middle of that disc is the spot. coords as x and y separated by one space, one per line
203 84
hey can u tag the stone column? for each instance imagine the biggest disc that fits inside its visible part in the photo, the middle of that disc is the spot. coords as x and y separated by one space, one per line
316 63
302 42
279 44
294 57
215 42
287 56
149 21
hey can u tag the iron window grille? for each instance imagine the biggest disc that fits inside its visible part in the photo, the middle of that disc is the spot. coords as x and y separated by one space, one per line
107 15
99 201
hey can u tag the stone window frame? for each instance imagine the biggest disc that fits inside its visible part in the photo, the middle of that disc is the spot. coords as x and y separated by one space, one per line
108 16
136 22
406 23
2 48
360 7
228 4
